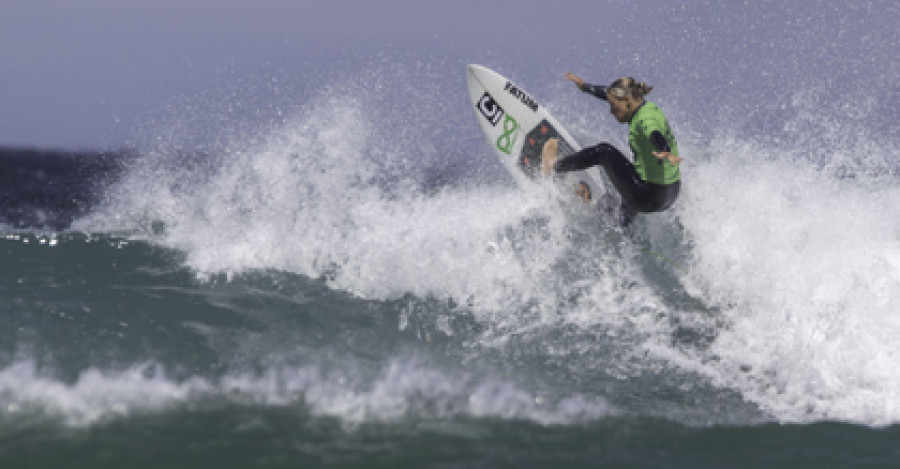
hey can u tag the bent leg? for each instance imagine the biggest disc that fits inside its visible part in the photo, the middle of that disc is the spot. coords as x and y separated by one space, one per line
619 170
590 156
637 195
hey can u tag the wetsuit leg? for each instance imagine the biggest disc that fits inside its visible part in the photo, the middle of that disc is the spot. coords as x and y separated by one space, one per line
619 170
637 194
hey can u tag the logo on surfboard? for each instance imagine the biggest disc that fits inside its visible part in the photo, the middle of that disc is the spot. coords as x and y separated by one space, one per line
494 114
522 96
507 139
490 109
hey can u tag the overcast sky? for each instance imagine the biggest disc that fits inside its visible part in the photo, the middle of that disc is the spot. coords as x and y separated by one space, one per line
87 73
84 73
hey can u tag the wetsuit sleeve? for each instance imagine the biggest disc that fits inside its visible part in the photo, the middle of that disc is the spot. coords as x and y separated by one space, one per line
659 141
596 90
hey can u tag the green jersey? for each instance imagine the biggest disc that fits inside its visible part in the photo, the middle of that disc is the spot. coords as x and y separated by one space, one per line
645 121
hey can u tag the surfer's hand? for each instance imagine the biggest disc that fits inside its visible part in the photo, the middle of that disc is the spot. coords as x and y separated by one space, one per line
668 156
573 78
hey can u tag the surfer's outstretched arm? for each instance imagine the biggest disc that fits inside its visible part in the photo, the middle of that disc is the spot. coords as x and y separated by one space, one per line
575 79
596 90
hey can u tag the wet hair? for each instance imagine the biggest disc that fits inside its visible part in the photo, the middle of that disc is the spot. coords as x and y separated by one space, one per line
624 87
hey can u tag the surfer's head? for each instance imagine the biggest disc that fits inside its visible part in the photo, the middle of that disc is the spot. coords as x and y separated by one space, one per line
625 95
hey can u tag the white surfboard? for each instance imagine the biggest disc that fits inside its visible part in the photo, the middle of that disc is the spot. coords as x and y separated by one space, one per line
517 126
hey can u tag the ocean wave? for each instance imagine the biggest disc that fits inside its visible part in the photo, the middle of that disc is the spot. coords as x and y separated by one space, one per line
404 390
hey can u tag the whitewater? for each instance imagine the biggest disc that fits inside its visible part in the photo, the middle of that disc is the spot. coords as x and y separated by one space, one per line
285 252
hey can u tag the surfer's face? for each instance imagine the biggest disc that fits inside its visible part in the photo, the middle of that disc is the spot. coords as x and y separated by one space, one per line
622 108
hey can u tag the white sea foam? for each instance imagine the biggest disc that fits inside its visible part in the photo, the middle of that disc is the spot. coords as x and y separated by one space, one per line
805 263
796 252
320 195
403 389
94 397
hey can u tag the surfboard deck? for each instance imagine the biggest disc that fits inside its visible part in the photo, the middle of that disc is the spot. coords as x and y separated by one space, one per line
517 126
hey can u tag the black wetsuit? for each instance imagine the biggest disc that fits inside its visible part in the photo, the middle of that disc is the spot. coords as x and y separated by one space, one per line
638 194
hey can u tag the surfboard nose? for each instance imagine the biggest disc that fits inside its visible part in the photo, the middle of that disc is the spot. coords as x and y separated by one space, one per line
475 69
472 70
478 76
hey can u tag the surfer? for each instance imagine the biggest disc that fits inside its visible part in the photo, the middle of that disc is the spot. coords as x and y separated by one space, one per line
652 182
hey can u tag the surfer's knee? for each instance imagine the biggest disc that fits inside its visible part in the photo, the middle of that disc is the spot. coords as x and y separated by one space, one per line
606 149
601 152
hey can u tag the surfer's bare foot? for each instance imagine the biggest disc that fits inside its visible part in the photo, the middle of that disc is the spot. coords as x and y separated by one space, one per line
583 191
548 156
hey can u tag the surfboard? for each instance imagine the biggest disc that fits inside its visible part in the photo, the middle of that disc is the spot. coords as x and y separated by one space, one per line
516 126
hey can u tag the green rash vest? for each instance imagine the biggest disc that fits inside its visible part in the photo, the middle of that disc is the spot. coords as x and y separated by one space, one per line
647 119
